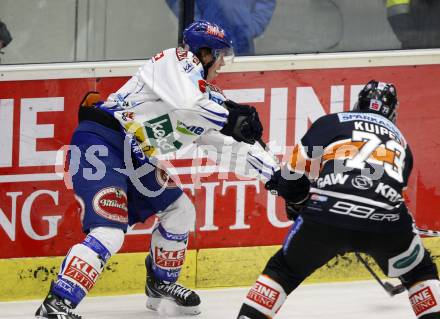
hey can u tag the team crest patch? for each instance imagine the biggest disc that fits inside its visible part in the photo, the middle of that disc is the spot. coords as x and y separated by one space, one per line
163 179
111 203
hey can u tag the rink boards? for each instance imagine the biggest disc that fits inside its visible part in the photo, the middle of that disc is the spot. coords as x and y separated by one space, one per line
29 278
239 224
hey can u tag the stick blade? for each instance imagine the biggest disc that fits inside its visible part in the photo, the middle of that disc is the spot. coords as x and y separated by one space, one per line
393 290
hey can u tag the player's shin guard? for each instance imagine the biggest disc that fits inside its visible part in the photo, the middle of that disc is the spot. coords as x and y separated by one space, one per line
167 254
263 300
425 299
79 272
169 239
85 262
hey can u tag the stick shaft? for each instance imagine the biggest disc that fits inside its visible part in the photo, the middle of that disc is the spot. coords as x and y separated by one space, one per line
370 270
428 232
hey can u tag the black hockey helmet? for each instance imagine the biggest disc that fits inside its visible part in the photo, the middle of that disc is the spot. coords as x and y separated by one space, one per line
378 97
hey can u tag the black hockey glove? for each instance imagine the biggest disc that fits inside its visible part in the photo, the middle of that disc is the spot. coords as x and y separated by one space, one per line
293 187
272 184
293 210
243 123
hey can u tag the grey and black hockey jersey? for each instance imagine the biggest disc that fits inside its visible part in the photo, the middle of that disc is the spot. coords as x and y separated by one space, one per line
359 165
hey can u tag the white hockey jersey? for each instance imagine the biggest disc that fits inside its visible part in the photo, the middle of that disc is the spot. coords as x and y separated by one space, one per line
167 105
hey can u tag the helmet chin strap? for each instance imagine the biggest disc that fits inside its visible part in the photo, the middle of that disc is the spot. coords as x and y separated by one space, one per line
206 68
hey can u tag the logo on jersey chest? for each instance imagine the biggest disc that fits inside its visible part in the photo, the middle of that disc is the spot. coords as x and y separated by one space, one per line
388 192
263 295
188 67
189 129
362 182
127 116
331 179
160 133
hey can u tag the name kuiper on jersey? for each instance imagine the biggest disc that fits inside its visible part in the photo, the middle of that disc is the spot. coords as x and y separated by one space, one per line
373 118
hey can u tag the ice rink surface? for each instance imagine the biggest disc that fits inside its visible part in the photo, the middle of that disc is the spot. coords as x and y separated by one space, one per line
360 300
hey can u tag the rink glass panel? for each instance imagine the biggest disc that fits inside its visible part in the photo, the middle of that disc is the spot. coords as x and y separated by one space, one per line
100 30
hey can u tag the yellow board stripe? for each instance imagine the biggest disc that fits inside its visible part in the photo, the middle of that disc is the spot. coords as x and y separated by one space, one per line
391 3
29 278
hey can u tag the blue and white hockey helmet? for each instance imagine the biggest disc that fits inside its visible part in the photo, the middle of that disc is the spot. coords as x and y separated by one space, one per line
378 97
204 34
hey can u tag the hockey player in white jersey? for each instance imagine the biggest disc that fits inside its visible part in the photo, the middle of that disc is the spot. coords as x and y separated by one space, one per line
167 105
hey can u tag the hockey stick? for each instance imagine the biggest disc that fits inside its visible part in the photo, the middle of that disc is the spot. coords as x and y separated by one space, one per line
267 149
388 287
428 232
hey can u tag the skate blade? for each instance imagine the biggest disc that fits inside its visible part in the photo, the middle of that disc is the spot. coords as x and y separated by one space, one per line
189 311
167 307
153 303
170 309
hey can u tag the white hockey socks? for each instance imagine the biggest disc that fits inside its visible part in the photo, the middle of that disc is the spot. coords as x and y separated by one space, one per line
266 296
84 263
170 239
425 297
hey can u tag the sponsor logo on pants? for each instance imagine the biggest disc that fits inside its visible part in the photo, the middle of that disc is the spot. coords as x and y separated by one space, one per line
263 295
111 203
82 272
422 301
163 179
